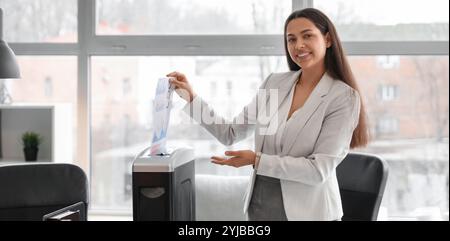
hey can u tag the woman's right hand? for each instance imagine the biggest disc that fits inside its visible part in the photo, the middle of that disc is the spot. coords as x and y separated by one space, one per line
182 86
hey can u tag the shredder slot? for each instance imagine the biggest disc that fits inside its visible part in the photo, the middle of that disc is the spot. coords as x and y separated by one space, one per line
153 192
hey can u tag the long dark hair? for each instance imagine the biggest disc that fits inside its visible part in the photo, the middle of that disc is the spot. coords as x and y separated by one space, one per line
336 65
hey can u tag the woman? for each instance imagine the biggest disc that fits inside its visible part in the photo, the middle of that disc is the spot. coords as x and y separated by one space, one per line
320 117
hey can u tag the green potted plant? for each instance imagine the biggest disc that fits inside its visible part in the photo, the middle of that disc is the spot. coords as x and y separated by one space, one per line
31 141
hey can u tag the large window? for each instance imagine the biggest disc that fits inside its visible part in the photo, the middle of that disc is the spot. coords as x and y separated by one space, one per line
138 17
385 20
40 20
103 57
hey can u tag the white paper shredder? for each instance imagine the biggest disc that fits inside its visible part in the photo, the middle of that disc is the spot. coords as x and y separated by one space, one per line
164 186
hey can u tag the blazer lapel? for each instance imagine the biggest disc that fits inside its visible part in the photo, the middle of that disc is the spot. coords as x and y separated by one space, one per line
308 109
283 90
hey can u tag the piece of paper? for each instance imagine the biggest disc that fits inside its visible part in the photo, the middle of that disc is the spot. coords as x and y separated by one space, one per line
162 104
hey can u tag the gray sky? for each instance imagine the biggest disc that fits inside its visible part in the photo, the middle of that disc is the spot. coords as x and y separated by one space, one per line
390 12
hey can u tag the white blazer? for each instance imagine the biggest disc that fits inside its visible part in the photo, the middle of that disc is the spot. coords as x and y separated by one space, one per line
314 145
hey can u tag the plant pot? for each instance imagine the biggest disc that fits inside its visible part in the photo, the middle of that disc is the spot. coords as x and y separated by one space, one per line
30 153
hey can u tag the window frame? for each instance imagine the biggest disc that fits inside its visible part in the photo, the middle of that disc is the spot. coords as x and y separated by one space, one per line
90 44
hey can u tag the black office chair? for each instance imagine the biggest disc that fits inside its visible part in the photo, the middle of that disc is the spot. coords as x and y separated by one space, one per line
30 191
362 180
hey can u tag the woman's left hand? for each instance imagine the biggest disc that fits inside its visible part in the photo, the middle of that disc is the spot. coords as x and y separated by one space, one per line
239 159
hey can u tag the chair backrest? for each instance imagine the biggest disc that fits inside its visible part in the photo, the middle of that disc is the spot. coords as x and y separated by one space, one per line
362 180
30 191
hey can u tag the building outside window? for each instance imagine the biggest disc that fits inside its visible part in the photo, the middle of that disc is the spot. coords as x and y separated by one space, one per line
388 92
387 125
48 86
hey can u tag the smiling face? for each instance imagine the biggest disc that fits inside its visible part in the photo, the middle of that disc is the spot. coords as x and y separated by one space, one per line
306 44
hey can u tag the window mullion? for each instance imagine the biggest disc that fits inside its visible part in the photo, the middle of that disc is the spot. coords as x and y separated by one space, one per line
188 45
396 48
45 48
86 23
